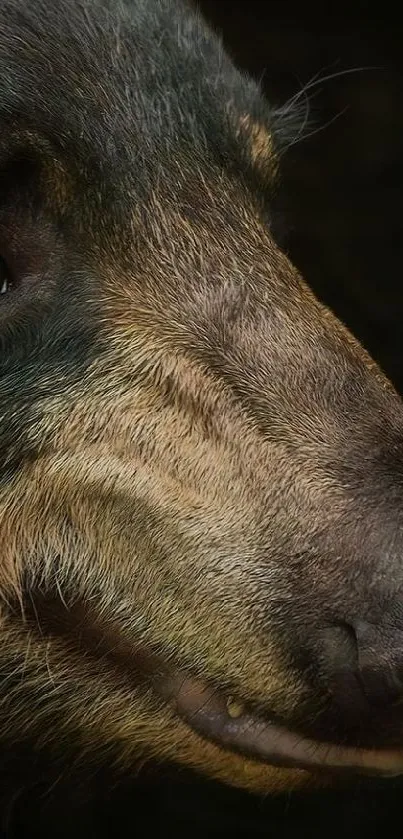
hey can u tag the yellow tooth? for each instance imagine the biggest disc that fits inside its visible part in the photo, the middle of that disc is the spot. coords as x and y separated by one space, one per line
235 709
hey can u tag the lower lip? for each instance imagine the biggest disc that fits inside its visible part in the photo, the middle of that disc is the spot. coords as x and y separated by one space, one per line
207 713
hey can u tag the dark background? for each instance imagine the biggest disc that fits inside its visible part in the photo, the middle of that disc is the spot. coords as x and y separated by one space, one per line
341 197
342 187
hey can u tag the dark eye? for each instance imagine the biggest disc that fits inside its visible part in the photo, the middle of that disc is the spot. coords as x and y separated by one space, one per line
5 277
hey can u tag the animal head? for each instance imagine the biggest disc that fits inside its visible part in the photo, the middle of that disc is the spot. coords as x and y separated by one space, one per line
200 468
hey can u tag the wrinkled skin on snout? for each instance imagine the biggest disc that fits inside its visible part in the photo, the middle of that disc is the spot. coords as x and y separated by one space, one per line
201 474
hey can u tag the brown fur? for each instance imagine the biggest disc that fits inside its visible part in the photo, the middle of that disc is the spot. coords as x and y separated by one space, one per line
203 490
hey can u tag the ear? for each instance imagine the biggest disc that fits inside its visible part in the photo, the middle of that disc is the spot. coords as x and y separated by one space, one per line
259 142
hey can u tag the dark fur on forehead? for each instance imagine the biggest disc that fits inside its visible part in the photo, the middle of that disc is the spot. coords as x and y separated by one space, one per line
80 74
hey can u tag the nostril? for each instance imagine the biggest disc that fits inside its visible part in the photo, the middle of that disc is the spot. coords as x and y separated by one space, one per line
339 667
341 647
380 655
363 665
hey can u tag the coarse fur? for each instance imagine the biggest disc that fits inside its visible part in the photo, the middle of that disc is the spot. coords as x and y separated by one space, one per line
196 458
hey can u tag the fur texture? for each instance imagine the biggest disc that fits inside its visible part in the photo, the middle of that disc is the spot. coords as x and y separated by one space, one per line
196 458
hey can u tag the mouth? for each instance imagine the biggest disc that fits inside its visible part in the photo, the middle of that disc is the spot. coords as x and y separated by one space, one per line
211 714
227 723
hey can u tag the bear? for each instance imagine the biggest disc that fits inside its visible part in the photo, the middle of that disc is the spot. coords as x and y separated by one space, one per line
200 476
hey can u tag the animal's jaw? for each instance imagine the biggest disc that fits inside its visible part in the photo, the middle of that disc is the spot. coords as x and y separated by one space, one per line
229 725
232 726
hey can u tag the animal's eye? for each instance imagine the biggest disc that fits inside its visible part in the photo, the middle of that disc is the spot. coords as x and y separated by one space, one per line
5 276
